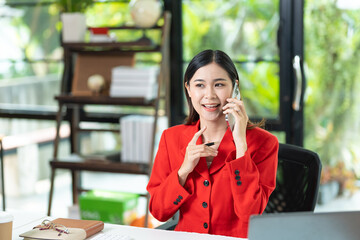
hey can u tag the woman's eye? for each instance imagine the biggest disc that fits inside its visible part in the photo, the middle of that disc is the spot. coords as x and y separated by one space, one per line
199 85
219 85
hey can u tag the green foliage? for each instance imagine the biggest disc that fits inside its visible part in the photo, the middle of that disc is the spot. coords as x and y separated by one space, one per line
244 29
261 97
33 37
108 14
333 59
74 5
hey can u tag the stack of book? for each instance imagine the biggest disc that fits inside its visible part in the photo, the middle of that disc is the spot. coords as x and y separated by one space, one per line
136 135
134 82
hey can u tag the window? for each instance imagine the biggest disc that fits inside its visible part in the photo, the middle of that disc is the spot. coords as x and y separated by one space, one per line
262 38
30 61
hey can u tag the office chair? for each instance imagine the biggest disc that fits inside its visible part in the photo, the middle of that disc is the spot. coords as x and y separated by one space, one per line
297 182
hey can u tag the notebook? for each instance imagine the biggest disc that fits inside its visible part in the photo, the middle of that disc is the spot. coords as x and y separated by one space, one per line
305 226
78 229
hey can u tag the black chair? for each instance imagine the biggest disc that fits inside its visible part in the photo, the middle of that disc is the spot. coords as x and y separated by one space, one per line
297 182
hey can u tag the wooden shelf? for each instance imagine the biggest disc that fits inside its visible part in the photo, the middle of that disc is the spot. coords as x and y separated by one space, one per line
140 45
103 100
114 47
125 27
96 164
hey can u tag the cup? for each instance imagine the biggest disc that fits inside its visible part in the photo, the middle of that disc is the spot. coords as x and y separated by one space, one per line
6 221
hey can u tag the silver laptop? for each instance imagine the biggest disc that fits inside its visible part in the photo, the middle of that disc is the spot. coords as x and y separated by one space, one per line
305 226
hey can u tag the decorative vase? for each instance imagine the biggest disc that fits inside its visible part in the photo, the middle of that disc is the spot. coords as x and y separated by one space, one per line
145 13
73 27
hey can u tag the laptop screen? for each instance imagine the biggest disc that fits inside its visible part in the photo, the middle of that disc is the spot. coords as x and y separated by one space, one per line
305 226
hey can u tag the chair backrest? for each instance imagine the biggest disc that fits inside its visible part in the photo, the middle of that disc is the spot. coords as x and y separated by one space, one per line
297 180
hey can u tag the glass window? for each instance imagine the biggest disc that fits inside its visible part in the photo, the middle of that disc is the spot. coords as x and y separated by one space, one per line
247 32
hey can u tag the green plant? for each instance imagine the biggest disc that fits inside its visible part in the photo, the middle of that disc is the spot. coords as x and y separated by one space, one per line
74 5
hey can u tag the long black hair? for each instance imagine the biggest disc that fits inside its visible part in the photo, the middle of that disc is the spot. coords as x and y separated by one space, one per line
200 60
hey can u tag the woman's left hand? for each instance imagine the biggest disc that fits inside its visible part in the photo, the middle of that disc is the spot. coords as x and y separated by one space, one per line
236 108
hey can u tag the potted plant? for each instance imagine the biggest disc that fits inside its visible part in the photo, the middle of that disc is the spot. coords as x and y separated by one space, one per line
73 19
334 181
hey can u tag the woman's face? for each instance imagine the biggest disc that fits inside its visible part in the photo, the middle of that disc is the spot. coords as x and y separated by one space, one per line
208 89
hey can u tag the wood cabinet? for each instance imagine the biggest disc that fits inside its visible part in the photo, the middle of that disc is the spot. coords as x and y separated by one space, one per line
72 106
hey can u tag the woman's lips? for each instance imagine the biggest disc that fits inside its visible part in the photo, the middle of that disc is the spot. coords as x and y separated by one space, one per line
210 107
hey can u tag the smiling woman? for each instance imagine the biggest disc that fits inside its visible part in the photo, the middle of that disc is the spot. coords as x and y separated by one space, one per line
215 176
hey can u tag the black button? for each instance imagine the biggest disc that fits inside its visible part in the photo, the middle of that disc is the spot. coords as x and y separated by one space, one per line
238 183
206 183
178 200
176 203
204 204
206 225
237 177
237 172
180 197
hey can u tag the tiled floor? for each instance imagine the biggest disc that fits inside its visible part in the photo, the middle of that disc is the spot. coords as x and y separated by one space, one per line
126 183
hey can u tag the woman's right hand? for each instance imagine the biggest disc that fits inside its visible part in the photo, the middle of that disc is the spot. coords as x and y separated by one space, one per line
192 156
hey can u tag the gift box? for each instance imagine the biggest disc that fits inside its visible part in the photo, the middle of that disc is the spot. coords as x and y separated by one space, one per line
108 206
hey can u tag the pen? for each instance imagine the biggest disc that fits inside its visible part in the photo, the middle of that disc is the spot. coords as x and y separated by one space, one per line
209 144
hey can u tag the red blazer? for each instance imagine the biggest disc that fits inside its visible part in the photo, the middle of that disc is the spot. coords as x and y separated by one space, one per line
216 200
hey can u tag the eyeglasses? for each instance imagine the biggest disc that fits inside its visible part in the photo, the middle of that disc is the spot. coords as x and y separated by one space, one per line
47 225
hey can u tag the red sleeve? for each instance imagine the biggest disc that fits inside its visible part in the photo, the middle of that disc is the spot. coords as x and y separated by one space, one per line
166 193
253 177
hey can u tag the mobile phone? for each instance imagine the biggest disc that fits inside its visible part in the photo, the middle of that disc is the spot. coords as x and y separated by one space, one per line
229 118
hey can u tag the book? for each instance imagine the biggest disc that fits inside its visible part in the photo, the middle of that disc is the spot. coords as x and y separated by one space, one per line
134 82
136 133
78 230
134 71
148 93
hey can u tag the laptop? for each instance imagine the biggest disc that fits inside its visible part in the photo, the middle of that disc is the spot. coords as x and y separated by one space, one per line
305 226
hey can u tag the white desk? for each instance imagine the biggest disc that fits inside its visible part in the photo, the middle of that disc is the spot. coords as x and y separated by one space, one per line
25 221
138 233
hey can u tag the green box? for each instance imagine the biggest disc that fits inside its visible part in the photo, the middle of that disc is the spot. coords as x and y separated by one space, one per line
108 206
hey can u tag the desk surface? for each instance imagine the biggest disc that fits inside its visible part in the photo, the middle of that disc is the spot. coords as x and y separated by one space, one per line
138 233
25 221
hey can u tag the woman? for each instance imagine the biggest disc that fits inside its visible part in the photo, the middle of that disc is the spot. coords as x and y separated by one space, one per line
215 176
